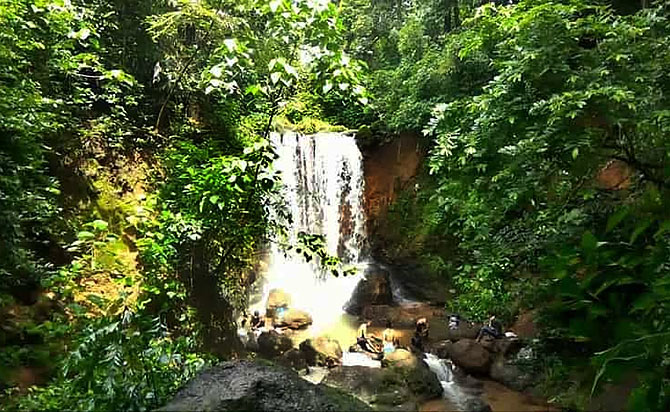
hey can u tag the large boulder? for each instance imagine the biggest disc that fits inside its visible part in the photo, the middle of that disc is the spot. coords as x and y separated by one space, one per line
414 373
360 381
400 358
389 388
440 348
277 299
509 374
322 351
293 319
511 365
373 289
505 346
465 330
272 344
422 382
293 358
471 356
251 386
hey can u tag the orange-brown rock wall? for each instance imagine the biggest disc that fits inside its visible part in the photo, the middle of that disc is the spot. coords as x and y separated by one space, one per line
389 169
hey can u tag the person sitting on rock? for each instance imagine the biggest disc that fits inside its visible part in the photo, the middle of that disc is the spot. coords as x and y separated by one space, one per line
363 330
365 341
389 338
454 321
422 328
491 329
256 321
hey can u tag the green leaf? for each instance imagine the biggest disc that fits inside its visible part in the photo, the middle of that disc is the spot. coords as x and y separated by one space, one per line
99 225
589 242
85 235
639 229
616 218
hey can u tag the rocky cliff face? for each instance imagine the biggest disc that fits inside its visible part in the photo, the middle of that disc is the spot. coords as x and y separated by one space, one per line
389 169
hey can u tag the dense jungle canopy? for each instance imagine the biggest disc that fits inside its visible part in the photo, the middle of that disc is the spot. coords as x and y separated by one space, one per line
137 188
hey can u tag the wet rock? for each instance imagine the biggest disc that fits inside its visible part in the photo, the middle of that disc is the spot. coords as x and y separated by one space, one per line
465 330
405 316
322 351
400 358
507 372
362 382
373 289
387 388
504 346
272 344
293 319
414 373
422 382
277 299
440 348
293 358
476 405
250 386
470 356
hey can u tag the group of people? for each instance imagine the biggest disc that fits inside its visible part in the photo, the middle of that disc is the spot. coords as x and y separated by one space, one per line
390 339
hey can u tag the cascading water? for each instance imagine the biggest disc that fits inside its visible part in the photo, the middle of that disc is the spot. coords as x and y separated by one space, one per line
451 391
322 178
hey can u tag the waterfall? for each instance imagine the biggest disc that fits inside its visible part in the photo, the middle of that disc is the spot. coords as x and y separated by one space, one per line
451 390
440 367
322 177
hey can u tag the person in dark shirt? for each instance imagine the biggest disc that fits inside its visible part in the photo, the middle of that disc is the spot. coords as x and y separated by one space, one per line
492 329
256 321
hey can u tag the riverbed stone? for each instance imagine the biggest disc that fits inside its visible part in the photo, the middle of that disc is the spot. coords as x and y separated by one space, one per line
476 405
400 358
253 386
322 351
294 359
387 388
272 344
440 348
422 382
293 319
465 330
471 356
508 372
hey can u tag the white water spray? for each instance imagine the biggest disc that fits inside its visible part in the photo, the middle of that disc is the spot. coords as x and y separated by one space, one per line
322 177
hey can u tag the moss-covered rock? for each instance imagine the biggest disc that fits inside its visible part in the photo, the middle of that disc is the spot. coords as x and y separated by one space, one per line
254 386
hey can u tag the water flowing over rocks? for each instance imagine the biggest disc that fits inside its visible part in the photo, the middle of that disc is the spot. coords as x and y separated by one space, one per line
251 386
